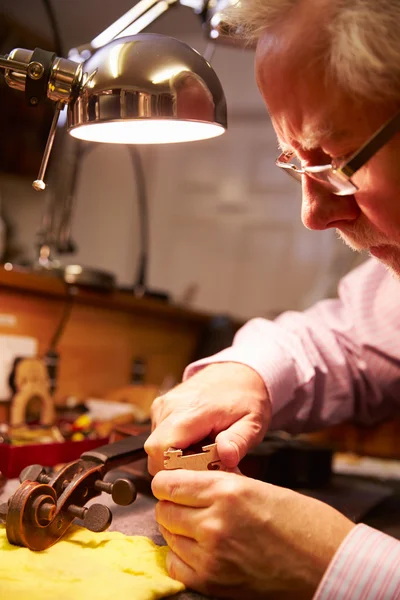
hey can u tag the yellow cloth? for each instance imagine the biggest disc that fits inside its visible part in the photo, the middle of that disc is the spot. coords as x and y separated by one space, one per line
86 566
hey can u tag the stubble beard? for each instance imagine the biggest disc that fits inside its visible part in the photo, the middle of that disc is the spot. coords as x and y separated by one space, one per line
360 240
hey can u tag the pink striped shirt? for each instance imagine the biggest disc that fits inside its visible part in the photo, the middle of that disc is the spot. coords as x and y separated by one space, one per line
337 361
365 567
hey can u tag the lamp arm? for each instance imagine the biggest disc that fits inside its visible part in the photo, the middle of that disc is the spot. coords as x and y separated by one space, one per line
133 21
140 284
39 183
145 12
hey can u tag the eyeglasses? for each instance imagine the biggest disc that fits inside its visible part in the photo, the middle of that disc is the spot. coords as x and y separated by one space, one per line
337 178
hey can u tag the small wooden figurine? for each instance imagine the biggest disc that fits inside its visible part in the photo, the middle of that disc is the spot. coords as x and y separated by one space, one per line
32 382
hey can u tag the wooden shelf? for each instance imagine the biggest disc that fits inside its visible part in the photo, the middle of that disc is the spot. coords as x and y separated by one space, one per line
49 286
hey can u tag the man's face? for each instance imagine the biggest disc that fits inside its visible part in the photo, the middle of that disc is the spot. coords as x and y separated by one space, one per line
320 123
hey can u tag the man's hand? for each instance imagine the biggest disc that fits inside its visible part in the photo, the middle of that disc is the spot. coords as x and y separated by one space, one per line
232 536
226 400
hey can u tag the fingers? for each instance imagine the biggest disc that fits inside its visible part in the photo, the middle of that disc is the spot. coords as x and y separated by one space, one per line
182 546
178 431
234 443
178 569
228 449
226 399
159 410
179 520
188 488
187 562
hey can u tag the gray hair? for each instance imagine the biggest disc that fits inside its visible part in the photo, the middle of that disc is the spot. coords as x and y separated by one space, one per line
363 50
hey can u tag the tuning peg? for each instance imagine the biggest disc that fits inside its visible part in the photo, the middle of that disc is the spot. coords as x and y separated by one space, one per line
122 491
3 512
34 473
96 517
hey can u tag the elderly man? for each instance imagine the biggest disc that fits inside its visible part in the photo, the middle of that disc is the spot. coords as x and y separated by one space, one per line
329 72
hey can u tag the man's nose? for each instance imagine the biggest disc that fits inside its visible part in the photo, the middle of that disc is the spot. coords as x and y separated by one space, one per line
321 209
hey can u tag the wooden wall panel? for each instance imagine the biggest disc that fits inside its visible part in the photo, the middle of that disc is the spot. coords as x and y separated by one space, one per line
103 335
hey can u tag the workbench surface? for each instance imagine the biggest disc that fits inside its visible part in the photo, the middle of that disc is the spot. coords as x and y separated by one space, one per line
138 518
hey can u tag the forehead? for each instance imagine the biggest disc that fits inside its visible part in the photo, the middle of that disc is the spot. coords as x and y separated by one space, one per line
308 110
291 74
304 107
314 133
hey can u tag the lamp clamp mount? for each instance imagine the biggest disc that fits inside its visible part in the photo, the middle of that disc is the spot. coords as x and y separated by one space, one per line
41 74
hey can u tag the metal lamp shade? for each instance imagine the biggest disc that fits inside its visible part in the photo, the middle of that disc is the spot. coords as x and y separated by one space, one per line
148 89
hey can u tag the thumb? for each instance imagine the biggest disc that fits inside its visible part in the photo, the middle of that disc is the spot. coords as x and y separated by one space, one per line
234 443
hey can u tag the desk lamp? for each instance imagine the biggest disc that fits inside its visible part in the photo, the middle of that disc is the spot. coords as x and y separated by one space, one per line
142 89
124 88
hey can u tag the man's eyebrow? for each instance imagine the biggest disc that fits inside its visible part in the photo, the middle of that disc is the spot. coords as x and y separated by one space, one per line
314 138
285 148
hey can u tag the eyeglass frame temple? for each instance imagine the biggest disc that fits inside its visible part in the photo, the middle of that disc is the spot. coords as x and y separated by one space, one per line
371 147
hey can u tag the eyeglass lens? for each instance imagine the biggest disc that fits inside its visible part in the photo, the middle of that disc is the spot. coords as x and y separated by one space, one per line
333 181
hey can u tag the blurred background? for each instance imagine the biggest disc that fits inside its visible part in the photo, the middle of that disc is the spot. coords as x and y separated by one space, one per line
225 230
225 243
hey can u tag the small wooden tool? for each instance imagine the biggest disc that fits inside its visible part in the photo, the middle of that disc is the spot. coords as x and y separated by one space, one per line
207 460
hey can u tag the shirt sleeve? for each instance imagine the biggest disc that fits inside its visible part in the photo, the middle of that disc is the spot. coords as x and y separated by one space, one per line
365 567
337 361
